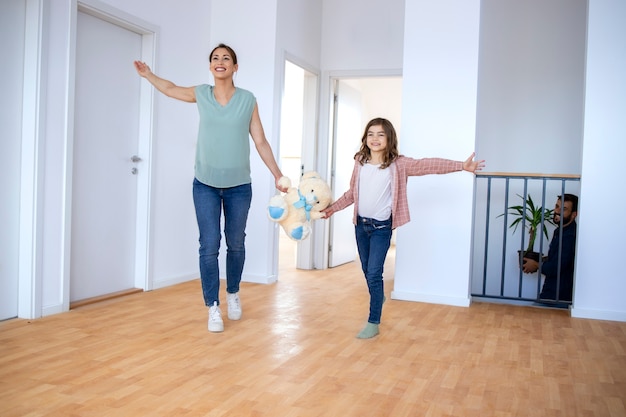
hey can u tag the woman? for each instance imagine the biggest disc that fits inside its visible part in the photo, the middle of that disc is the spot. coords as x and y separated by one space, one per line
228 116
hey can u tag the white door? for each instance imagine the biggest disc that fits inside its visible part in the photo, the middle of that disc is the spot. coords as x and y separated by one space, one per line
348 128
104 188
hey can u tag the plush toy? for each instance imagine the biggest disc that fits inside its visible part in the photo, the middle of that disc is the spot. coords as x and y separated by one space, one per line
295 209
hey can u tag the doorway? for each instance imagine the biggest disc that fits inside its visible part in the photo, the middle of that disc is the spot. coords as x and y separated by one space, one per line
110 171
297 150
356 100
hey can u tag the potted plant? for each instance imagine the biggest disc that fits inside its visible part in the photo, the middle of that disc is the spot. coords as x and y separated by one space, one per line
531 215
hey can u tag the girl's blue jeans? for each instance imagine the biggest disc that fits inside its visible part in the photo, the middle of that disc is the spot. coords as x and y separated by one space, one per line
209 202
373 238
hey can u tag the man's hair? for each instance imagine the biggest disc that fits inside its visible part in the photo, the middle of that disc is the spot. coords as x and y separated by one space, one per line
572 199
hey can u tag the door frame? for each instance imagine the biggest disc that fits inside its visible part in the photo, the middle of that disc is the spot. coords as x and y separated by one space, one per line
308 154
309 150
30 250
149 34
326 144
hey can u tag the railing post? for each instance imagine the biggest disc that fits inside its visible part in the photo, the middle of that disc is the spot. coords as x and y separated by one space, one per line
506 215
488 210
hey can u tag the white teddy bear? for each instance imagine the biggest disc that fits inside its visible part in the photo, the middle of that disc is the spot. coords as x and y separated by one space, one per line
295 209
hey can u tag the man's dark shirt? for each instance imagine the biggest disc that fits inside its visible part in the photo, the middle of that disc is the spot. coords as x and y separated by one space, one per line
549 268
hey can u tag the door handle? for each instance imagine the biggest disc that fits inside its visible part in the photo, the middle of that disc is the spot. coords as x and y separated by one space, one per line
135 158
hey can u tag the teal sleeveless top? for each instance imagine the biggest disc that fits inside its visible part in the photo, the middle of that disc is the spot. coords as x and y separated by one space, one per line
223 147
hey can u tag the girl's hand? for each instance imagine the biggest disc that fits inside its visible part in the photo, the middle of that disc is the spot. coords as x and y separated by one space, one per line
472 166
327 212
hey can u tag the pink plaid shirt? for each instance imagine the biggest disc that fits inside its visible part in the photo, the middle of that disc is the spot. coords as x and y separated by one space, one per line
401 169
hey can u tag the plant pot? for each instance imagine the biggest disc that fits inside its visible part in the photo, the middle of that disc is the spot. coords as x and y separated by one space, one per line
527 254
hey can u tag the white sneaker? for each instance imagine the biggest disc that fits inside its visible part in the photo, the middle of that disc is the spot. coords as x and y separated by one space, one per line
216 324
234 306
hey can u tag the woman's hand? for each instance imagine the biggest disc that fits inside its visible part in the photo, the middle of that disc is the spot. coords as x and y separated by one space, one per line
472 166
142 69
279 185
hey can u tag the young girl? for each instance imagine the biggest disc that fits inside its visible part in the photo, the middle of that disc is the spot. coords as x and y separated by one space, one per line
378 191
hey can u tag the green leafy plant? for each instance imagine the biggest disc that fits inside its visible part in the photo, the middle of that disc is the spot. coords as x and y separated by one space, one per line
531 215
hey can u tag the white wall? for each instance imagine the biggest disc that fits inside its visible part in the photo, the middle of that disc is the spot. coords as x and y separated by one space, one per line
531 85
359 38
362 34
438 113
298 32
186 35
600 286
529 118
12 49
183 49
174 232
354 38
233 23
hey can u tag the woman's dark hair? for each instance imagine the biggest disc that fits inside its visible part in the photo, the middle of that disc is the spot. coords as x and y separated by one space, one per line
364 154
230 50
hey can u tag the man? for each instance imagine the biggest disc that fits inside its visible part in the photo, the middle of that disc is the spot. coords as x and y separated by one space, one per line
563 282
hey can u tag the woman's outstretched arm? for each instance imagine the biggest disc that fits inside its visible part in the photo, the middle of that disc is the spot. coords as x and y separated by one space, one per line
168 88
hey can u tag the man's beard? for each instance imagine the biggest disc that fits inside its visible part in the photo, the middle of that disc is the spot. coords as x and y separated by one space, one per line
566 220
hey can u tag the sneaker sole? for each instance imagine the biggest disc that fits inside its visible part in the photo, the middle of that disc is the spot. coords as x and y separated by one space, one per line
234 316
216 329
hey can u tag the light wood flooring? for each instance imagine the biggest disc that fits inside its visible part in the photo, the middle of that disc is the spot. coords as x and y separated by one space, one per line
294 354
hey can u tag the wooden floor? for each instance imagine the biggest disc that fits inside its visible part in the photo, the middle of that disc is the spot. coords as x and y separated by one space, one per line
294 354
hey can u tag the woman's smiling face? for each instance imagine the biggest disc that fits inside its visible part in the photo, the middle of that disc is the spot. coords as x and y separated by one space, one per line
222 65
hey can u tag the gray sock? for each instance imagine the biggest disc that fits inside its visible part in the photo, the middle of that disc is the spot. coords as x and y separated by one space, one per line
370 330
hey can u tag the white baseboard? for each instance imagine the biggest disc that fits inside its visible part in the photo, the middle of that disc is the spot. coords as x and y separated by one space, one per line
50 310
255 279
582 313
431 298
173 281
259 279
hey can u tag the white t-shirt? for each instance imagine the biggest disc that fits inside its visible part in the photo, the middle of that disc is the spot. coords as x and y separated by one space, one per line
375 192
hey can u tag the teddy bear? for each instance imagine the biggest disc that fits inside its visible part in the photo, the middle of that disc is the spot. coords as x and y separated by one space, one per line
295 209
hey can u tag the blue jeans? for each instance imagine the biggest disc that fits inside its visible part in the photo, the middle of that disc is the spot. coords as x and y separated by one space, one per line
208 202
373 238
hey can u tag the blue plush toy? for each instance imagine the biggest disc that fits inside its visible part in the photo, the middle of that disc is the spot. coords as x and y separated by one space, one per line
295 209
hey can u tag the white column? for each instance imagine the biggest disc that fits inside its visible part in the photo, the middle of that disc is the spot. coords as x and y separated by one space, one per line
599 284
438 113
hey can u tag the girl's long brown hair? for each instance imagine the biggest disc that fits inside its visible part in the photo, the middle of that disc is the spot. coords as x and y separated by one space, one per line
364 154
